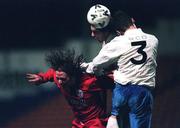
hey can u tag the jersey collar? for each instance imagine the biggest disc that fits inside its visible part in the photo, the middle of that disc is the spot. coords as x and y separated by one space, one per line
132 31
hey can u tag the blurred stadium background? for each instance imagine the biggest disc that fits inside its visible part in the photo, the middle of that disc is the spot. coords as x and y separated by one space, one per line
29 28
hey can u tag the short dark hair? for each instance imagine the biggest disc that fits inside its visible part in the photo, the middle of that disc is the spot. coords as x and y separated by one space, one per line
66 60
121 21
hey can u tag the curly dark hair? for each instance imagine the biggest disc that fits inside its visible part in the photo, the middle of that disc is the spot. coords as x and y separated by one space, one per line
66 60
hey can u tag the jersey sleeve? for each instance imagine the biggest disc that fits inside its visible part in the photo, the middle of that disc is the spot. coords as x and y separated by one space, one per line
48 75
107 56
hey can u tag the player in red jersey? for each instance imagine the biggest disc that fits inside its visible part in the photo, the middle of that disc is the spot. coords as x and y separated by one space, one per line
85 93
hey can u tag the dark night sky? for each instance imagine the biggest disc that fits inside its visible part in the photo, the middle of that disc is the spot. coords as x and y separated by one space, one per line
38 22
33 23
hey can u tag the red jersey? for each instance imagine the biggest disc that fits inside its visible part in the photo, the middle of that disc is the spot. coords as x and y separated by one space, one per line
90 99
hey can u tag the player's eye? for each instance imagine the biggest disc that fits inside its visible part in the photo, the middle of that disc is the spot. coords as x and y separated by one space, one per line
62 79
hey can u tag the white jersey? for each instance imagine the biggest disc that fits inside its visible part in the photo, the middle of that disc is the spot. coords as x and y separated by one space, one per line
135 53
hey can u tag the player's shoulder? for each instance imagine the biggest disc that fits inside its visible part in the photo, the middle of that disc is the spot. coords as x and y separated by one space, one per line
115 41
87 81
87 76
151 36
153 39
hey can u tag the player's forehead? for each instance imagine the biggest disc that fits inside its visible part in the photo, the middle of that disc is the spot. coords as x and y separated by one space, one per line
61 73
95 30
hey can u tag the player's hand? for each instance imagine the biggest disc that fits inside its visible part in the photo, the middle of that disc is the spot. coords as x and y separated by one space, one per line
84 66
112 122
34 78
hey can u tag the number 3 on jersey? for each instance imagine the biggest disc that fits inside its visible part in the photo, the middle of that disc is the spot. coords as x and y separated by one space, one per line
140 51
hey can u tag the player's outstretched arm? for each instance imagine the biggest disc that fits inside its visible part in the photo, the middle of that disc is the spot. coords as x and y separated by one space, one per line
41 77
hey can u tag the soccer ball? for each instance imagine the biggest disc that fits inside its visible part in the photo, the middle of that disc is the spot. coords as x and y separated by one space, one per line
98 16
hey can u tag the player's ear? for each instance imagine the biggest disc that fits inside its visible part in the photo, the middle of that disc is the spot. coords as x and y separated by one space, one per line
133 20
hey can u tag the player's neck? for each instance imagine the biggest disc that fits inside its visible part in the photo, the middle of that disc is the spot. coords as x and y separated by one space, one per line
132 27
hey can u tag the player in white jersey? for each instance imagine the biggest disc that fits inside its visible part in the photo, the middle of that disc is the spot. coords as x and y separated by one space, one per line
99 17
135 54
